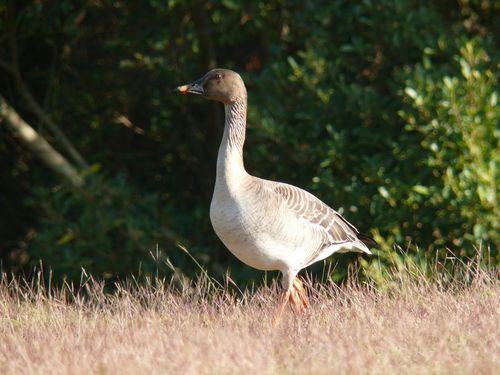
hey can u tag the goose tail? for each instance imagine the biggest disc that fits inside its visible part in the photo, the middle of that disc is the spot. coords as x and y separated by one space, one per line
367 240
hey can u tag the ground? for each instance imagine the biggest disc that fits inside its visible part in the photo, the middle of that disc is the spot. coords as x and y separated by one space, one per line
415 326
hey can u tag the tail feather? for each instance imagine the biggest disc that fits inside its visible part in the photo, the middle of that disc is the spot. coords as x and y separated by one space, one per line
367 240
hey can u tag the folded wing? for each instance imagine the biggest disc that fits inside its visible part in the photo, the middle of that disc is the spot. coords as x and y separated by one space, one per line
334 228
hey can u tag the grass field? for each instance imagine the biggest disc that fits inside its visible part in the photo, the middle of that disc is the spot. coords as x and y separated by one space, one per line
448 323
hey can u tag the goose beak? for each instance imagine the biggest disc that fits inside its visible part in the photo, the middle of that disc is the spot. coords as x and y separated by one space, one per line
191 88
182 89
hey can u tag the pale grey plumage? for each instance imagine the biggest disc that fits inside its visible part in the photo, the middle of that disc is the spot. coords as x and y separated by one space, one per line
267 225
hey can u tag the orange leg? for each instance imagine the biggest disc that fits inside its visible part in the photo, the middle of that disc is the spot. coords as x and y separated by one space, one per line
284 300
297 295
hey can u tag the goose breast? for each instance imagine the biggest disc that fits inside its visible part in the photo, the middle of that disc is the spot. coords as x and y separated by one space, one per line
258 228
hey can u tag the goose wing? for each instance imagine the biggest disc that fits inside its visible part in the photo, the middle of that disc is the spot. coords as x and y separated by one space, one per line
306 206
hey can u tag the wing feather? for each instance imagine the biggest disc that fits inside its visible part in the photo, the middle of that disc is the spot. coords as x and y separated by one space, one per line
306 206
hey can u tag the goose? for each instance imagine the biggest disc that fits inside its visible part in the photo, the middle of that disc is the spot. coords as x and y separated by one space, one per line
267 225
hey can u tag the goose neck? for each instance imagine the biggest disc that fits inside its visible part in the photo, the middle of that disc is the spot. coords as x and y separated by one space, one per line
230 158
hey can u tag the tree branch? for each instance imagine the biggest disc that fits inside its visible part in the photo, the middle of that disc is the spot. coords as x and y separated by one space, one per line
6 66
23 89
38 145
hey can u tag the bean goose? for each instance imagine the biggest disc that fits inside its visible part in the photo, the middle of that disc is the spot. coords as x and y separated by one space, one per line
267 225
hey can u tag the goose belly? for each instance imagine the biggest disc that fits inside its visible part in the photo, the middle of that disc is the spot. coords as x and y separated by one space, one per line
248 236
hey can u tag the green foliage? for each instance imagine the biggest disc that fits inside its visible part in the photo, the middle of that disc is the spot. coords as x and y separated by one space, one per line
458 120
107 228
386 110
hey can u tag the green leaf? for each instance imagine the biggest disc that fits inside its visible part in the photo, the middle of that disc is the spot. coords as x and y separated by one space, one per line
68 237
420 189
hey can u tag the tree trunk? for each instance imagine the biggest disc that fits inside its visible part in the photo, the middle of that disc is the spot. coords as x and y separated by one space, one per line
37 144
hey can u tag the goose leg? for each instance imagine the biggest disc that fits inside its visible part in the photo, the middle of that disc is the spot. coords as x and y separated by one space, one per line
300 299
297 295
285 297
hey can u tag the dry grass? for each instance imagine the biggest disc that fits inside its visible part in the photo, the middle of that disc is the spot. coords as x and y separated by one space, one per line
442 325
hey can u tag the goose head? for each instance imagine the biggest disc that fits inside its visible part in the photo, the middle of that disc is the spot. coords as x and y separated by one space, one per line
221 85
